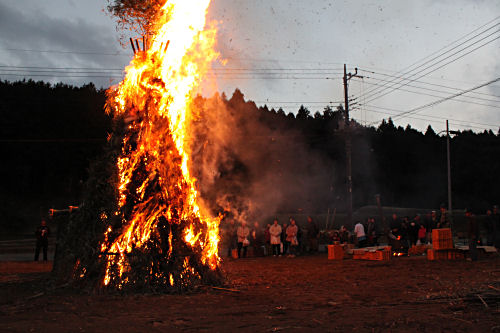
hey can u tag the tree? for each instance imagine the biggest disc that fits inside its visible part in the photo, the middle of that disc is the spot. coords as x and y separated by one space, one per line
135 15
430 132
303 113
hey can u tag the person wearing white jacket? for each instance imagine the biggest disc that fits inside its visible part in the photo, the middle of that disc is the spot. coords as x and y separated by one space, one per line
275 232
359 231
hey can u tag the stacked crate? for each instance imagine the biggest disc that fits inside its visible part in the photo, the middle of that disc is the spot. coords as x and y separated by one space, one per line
372 255
455 255
442 246
437 255
335 252
442 239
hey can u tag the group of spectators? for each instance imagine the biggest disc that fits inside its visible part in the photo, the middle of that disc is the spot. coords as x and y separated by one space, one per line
276 239
403 232
406 232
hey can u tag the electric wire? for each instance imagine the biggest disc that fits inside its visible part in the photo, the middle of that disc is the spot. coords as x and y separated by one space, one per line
380 94
407 70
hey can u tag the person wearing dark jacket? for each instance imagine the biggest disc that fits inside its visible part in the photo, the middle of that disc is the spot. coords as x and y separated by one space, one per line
489 227
312 235
443 219
496 227
431 225
257 240
395 222
230 237
42 240
283 239
371 232
473 232
344 235
413 232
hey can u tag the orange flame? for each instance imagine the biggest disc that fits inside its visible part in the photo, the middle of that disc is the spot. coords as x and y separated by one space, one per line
156 97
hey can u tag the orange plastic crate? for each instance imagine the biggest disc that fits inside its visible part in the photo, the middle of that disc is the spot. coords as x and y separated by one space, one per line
335 252
442 239
377 255
455 255
433 254
359 252
381 255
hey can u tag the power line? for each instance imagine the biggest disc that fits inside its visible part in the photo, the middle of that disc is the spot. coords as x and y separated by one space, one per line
66 52
414 110
325 102
370 69
225 77
423 82
433 70
429 116
457 100
371 93
435 121
407 70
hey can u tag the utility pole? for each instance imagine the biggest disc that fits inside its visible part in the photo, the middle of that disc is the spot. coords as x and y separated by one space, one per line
449 164
348 145
450 214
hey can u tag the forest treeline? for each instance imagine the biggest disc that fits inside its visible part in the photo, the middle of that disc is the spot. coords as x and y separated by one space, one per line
278 162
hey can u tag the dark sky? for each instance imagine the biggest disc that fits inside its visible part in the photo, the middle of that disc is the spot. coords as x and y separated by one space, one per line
291 52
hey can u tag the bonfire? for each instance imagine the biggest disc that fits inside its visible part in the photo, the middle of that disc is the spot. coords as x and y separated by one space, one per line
158 236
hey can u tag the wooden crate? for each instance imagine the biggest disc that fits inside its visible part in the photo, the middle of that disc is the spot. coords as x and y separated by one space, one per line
335 252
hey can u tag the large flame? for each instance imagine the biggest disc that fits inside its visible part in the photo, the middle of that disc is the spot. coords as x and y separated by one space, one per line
156 97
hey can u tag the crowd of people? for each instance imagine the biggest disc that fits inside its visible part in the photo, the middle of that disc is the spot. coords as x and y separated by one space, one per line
275 239
406 232
401 233
291 240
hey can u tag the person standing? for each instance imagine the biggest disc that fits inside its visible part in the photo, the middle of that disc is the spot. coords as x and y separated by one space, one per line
473 233
431 225
267 237
257 240
344 235
284 242
312 235
489 227
359 231
372 232
275 233
291 237
230 237
496 227
243 232
395 222
443 220
422 234
42 234
413 232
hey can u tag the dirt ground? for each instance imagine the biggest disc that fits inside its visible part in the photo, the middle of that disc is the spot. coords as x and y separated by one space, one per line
304 294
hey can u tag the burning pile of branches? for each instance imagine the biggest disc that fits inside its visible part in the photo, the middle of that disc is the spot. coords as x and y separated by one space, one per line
154 234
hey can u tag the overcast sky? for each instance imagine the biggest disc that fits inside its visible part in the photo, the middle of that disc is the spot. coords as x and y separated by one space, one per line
291 52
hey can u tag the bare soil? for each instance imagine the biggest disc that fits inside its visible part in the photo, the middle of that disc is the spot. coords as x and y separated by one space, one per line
304 294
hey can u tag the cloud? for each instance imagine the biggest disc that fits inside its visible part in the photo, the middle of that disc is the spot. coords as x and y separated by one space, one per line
30 30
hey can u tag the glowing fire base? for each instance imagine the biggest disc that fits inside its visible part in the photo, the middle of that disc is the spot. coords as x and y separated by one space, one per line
157 237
